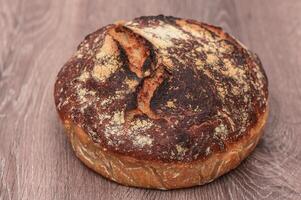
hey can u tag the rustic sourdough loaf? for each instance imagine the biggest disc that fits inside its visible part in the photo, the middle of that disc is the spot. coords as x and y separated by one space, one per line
162 102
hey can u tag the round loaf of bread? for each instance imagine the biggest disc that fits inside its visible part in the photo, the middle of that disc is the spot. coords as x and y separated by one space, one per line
162 102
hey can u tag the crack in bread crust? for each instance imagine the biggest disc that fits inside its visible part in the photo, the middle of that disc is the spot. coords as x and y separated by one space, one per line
163 89
146 93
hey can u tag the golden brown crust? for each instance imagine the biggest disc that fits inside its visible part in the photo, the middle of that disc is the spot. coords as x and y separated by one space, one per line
159 175
162 90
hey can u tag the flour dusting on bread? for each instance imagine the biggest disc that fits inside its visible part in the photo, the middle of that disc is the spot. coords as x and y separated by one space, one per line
163 88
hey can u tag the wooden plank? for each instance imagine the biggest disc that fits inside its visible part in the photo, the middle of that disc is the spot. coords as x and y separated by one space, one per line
37 37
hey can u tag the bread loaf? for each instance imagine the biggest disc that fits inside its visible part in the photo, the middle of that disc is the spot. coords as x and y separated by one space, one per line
162 102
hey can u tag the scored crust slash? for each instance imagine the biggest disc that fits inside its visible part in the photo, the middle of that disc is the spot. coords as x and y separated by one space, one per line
162 102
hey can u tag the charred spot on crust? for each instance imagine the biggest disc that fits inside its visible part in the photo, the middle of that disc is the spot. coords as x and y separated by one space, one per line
141 117
123 57
131 100
125 61
239 59
160 95
192 95
183 138
92 84
90 115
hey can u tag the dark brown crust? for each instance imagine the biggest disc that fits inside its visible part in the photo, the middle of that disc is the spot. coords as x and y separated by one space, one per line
172 90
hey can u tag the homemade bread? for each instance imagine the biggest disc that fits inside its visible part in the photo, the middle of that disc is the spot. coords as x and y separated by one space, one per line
162 102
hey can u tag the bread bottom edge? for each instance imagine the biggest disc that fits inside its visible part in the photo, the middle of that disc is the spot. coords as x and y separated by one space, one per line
156 175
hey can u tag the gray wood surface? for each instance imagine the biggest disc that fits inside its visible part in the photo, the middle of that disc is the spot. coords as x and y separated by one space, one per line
37 37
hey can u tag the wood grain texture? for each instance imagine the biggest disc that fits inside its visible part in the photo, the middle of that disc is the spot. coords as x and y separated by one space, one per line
37 37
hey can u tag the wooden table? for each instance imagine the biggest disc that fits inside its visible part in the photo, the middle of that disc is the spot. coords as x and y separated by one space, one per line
37 37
